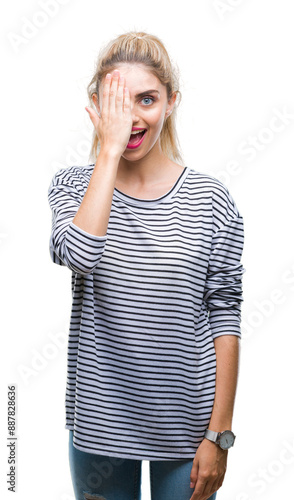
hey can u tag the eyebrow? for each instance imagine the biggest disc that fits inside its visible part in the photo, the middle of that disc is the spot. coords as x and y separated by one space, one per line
152 91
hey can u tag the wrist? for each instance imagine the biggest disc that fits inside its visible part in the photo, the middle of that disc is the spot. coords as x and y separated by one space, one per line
109 153
220 421
220 427
224 439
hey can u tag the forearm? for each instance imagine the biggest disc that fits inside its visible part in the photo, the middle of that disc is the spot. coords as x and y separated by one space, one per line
209 465
227 364
94 211
113 128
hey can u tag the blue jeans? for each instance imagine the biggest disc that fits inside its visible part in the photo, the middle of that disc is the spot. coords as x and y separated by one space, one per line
98 477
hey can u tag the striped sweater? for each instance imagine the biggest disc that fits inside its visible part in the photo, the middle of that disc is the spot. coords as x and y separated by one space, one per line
148 300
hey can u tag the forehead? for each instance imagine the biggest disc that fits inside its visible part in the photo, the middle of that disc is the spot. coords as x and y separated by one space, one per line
138 78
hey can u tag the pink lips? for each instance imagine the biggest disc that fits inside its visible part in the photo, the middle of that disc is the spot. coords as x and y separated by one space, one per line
135 146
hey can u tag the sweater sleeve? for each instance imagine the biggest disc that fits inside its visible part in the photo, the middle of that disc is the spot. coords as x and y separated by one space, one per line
70 245
223 287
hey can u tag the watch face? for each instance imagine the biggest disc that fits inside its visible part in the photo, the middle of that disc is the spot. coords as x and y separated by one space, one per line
226 440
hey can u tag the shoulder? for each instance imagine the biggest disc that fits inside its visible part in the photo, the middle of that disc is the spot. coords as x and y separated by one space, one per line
75 177
70 174
207 184
214 191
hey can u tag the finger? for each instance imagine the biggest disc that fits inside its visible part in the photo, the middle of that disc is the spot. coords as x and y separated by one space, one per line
127 100
216 486
93 116
113 91
199 490
219 482
105 94
194 475
208 491
120 94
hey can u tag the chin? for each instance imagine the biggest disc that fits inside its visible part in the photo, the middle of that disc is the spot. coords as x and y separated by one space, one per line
138 154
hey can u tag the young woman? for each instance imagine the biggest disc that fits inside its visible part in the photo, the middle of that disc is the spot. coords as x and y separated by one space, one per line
154 248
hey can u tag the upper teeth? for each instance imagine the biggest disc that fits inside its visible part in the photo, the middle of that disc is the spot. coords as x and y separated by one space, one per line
137 132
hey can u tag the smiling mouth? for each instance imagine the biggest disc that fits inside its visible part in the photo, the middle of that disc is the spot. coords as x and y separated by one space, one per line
136 139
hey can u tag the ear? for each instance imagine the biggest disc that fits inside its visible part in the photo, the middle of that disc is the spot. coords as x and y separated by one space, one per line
170 106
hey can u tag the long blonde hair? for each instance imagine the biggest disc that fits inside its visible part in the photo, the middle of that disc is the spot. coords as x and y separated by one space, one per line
141 48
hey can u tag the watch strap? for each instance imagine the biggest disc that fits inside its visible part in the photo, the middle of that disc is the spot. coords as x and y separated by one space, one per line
211 435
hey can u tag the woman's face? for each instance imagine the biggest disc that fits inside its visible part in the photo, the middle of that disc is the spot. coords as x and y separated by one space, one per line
149 107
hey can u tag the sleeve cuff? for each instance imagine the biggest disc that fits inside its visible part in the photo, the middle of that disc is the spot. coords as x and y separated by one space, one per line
87 236
225 322
83 250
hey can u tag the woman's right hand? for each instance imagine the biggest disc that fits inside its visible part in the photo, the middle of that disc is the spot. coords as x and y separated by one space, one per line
114 126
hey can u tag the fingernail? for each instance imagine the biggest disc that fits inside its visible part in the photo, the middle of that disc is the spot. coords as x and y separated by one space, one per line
192 485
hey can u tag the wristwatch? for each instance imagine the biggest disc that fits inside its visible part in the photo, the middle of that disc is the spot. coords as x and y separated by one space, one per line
224 439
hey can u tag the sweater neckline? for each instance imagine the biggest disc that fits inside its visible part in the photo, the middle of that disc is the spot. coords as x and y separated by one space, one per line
130 200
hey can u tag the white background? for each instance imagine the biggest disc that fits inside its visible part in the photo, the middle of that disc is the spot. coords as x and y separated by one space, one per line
236 63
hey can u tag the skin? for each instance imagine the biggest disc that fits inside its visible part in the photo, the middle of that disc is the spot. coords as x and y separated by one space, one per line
147 173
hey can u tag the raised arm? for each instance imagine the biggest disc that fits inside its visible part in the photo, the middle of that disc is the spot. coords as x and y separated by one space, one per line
113 129
80 213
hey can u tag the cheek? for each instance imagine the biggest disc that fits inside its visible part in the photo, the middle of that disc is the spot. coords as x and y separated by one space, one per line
155 118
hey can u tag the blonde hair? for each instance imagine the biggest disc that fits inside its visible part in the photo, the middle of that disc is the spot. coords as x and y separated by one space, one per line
146 49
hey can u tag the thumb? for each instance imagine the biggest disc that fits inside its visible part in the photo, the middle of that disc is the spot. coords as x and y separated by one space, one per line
93 116
194 475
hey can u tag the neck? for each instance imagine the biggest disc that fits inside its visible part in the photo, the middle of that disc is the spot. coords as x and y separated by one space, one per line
144 171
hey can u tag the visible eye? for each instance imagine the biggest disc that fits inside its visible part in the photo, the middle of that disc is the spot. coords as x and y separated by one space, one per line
147 101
